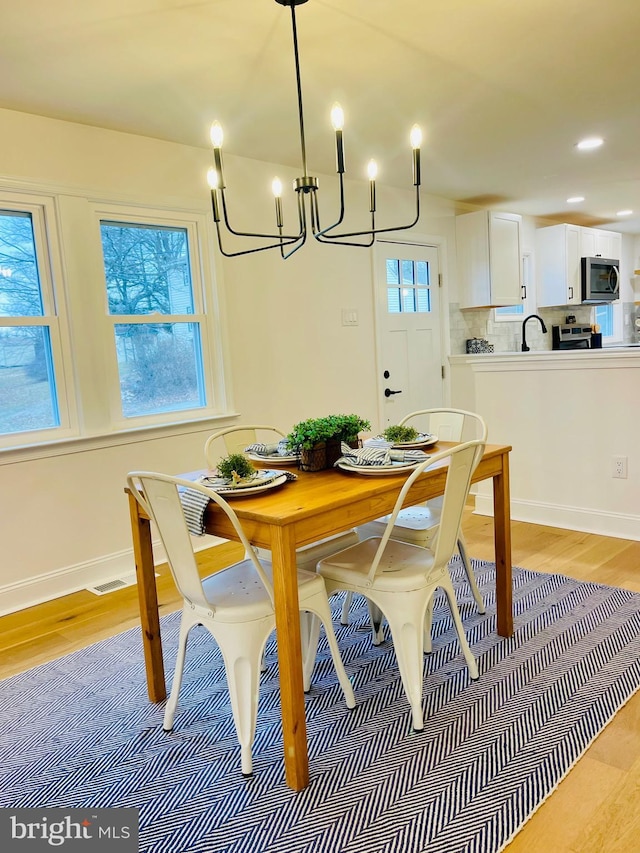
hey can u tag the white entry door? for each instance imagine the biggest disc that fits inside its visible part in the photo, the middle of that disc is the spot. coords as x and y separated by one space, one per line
408 310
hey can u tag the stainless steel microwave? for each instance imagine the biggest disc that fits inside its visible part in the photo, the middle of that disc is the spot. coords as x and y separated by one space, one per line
600 280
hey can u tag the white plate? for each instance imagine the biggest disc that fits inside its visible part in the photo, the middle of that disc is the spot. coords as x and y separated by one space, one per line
273 460
227 491
423 440
377 470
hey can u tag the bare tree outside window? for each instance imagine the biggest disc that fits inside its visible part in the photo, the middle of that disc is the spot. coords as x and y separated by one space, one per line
28 397
150 290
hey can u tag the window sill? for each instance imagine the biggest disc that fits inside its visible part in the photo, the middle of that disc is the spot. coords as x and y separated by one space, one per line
97 441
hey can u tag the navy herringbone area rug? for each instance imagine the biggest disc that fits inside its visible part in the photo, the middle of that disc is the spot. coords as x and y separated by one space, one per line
80 732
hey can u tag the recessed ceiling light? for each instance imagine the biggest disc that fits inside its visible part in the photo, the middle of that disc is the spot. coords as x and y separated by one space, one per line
624 213
575 199
590 143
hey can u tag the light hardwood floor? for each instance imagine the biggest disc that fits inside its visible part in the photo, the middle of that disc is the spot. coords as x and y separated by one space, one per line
596 809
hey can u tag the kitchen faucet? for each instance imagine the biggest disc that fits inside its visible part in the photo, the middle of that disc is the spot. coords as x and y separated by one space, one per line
525 348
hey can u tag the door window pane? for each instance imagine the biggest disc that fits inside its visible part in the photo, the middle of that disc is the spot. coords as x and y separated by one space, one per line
414 294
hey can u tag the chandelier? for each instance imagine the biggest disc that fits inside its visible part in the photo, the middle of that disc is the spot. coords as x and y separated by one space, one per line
305 187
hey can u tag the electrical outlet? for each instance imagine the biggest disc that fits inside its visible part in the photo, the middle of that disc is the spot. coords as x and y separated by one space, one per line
619 470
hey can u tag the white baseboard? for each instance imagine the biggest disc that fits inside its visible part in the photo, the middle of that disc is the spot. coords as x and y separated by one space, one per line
36 590
621 526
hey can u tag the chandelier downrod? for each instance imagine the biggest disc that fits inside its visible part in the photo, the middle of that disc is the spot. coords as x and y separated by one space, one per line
307 185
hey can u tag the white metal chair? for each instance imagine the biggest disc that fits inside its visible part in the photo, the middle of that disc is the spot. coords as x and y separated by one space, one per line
236 438
419 524
399 579
235 604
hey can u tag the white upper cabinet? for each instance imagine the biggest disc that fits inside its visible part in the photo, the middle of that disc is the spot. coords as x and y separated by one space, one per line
559 250
558 253
489 259
594 243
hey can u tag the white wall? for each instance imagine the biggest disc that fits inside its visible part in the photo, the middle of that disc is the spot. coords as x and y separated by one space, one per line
566 415
63 517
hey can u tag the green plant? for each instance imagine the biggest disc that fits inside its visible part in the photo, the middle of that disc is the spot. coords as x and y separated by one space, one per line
235 467
309 433
314 431
348 427
400 433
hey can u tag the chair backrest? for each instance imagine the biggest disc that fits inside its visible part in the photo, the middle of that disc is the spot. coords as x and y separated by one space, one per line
236 438
449 424
159 495
463 459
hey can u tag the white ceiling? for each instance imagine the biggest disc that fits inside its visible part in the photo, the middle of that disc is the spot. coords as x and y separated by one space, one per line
503 89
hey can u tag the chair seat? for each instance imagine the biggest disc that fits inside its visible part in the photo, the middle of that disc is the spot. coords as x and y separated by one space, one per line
237 593
403 567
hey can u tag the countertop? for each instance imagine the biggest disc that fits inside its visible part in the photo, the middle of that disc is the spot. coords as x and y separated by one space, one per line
580 357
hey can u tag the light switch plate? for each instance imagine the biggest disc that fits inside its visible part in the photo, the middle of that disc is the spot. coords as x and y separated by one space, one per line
349 317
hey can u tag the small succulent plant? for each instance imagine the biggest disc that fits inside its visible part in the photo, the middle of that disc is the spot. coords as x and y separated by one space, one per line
400 433
235 467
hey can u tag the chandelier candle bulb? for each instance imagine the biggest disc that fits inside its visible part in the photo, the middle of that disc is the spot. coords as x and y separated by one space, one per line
212 180
217 137
416 140
337 120
276 188
372 171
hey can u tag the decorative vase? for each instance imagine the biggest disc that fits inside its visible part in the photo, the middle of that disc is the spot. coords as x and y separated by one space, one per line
313 459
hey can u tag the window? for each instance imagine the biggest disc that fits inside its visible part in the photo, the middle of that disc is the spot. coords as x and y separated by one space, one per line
32 382
157 317
126 338
609 318
408 286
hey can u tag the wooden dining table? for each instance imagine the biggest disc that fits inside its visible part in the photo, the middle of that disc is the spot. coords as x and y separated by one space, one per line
298 513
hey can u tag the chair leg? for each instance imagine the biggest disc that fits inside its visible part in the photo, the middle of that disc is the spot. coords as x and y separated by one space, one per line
462 548
447 586
376 618
309 636
319 606
428 625
346 604
186 624
406 618
242 647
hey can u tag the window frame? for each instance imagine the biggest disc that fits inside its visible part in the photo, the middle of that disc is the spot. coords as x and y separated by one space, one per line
43 212
204 315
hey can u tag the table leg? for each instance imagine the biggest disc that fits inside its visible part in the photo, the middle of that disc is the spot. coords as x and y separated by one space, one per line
294 728
502 539
148 603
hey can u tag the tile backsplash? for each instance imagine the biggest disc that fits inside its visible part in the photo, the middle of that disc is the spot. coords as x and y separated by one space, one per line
506 336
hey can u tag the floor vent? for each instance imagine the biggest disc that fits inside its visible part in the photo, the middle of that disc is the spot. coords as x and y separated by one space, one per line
112 585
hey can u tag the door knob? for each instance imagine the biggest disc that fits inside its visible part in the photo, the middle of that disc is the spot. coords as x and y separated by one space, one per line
388 392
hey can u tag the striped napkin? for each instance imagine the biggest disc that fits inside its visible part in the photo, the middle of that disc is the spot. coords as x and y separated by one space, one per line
365 456
194 503
279 449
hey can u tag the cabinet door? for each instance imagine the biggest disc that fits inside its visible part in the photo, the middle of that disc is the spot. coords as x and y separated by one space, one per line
505 259
574 270
588 243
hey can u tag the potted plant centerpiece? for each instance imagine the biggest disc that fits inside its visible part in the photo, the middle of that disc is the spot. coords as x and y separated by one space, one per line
317 440
236 469
397 433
